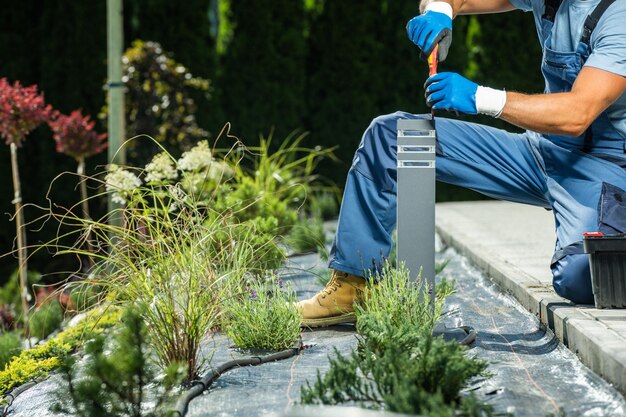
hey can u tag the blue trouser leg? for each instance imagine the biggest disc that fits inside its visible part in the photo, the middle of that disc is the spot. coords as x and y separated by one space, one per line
581 203
368 210
523 168
488 160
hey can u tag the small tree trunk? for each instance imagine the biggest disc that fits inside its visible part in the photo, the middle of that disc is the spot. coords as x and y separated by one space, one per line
21 237
85 203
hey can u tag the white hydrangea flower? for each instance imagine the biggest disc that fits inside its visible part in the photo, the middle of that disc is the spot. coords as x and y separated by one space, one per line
197 158
121 182
161 168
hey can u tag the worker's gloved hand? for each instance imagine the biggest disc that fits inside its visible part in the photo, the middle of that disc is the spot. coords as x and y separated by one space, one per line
452 92
432 28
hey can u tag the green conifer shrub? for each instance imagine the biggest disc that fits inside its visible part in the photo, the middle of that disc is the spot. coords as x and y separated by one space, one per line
118 377
263 72
398 365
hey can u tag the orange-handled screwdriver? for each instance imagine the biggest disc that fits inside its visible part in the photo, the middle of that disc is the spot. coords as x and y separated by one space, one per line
433 60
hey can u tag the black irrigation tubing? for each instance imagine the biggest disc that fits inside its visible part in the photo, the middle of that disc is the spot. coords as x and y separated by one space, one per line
471 335
10 397
205 382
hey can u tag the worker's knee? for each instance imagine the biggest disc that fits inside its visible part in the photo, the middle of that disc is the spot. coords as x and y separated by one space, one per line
380 137
571 278
382 132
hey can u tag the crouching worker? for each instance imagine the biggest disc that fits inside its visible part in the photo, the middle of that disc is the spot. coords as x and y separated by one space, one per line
571 159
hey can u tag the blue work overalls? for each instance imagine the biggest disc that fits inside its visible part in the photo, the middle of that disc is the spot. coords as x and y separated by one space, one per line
579 179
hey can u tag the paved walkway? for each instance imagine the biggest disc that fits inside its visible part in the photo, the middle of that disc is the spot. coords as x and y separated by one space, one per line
513 244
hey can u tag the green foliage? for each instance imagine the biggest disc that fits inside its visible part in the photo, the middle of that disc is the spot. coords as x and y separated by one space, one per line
346 64
263 316
278 182
246 200
325 206
307 235
158 99
263 73
115 377
393 300
37 362
425 379
10 292
254 240
46 319
10 346
398 364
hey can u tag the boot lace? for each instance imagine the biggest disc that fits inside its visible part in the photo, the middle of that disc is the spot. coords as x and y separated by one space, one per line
331 287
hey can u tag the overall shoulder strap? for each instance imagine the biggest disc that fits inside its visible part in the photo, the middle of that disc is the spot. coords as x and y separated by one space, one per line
551 7
593 19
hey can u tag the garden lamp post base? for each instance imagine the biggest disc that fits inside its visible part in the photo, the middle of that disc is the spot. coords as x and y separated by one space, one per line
416 211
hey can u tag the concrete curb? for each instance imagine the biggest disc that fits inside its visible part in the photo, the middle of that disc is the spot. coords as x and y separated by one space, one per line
502 246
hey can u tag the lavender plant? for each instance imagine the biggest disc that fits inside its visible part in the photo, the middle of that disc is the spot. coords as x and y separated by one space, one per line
263 315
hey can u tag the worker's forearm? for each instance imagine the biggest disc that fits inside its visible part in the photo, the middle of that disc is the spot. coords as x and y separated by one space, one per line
473 6
559 114
455 4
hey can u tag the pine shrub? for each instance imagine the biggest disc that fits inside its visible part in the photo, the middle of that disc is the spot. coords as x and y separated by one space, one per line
398 365
118 377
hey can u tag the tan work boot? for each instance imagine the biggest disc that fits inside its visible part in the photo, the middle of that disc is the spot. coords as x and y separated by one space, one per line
334 304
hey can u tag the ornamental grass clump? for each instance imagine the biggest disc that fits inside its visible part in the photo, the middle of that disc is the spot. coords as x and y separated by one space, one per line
174 256
276 182
263 315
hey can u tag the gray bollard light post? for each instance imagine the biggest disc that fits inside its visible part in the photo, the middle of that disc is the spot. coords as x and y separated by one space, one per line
416 211
416 197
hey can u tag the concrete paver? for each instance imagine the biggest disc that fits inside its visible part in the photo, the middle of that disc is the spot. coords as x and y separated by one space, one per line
513 244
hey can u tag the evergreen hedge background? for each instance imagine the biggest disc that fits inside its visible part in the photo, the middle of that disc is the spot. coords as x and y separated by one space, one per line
327 67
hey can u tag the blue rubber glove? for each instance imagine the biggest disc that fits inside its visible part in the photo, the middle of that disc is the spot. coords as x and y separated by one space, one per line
452 92
430 29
